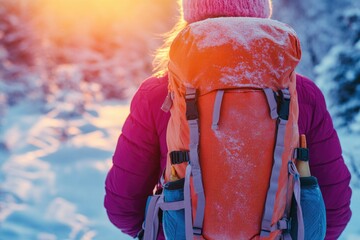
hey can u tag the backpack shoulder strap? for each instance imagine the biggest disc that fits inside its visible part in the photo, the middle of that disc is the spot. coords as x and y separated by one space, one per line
192 116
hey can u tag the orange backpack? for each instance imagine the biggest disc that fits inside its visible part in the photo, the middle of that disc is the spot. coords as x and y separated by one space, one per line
232 132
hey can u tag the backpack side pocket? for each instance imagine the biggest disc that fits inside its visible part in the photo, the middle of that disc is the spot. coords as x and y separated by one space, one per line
313 208
174 220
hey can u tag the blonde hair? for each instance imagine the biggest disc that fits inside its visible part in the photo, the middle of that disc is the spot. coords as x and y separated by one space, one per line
161 59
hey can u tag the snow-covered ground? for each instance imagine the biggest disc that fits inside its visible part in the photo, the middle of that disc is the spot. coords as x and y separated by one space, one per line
53 171
52 175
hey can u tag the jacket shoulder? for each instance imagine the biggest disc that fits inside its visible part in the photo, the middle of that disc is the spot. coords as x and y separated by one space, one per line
154 85
147 101
308 92
150 95
312 105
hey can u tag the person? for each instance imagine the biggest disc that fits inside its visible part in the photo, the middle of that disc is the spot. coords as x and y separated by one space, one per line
141 152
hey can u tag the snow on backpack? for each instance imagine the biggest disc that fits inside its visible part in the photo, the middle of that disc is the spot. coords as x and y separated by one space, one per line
232 133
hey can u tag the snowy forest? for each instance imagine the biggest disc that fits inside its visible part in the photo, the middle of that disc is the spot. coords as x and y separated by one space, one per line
68 69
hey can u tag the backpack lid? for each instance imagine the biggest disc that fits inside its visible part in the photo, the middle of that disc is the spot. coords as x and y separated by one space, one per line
240 51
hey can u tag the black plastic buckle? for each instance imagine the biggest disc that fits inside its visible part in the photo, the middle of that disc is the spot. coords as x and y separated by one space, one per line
197 231
192 112
284 106
191 109
289 223
302 154
177 157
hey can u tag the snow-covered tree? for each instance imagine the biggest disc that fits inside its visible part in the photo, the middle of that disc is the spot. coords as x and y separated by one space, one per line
18 49
317 25
113 52
339 73
15 33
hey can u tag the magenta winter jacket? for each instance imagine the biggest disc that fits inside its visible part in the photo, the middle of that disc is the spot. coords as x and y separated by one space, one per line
140 157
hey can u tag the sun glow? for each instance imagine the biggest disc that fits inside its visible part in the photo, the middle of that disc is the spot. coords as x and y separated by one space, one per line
95 12
91 8
71 17
94 37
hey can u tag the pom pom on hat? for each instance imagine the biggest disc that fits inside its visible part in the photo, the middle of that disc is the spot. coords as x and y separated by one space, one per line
197 10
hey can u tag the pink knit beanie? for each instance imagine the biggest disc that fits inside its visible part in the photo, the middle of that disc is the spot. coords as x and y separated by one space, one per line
197 10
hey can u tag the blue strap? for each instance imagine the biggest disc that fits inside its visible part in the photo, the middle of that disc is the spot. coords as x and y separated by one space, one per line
297 193
196 173
172 206
270 97
266 226
152 219
274 180
194 159
187 203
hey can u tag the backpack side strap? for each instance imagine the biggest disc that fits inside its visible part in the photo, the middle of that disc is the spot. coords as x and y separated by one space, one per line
281 112
192 116
271 99
297 194
266 226
151 227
